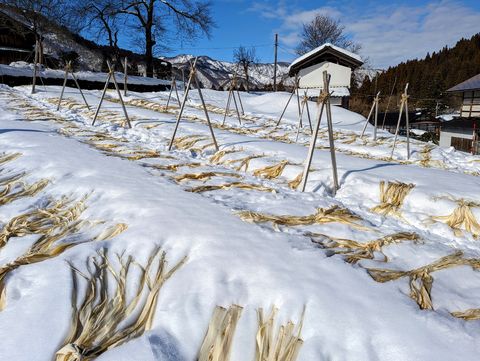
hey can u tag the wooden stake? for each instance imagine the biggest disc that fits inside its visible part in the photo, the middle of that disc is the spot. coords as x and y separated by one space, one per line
374 106
231 92
125 78
111 75
240 101
69 69
171 90
299 111
403 102
288 102
308 111
377 100
34 81
182 107
325 104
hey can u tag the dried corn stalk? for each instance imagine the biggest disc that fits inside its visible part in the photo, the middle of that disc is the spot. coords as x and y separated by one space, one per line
205 176
217 343
6 157
11 179
355 251
240 185
44 221
322 215
293 184
13 191
272 171
215 159
392 197
281 345
188 141
468 315
98 324
243 162
462 216
421 280
173 167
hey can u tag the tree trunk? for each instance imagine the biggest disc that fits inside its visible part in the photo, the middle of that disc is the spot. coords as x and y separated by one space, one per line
149 51
245 68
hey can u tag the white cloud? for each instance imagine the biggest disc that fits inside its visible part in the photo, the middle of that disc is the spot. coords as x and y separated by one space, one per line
388 34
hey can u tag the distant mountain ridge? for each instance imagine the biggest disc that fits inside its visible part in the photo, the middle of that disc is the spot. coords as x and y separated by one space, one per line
215 74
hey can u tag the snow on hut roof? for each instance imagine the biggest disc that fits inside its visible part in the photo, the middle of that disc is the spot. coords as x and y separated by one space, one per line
470 84
354 58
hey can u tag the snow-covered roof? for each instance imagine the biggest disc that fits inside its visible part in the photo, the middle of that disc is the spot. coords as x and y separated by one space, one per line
470 84
327 46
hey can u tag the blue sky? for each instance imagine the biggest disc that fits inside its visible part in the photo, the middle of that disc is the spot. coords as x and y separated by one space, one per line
388 31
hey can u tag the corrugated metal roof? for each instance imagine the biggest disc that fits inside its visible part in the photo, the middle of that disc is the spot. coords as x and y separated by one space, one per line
471 84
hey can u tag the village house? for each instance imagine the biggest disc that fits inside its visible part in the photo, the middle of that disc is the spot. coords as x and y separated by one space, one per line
338 62
463 132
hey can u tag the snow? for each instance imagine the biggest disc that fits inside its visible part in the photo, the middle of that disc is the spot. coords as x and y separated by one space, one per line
320 48
21 68
348 315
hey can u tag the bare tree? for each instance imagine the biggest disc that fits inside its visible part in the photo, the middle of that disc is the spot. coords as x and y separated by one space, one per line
190 17
246 58
324 29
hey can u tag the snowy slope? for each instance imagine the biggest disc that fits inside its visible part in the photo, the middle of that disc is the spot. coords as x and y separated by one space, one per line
348 315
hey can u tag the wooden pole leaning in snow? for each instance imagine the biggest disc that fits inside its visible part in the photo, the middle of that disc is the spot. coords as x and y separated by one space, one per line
69 69
173 85
193 77
35 61
111 75
374 107
231 92
125 77
324 101
403 106
295 87
304 106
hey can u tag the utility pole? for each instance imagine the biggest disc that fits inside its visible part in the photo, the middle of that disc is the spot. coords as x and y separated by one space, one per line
275 68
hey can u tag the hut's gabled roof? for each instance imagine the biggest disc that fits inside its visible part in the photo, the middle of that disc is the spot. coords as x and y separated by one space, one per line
470 84
326 52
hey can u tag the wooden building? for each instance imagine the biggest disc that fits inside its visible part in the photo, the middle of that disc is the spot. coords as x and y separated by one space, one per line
463 132
16 41
338 62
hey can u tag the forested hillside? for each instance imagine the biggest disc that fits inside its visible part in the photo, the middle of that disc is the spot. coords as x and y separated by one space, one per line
429 78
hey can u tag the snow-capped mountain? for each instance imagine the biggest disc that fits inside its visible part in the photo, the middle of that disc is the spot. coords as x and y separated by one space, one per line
215 74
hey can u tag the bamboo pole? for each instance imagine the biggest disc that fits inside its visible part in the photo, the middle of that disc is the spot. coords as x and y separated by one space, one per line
407 122
374 105
227 108
288 102
402 106
377 100
34 81
298 106
206 114
231 92
326 82
308 112
176 90
240 101
171 90
102 97
112 71
64 84
125 77
236 107
300 121
313 141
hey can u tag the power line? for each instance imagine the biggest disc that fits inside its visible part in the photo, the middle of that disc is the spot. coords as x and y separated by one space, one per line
229 47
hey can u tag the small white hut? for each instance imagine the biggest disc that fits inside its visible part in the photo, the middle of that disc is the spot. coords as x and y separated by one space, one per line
338 62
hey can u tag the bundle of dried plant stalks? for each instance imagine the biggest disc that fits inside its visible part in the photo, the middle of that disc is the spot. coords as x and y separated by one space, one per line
240 185
98 324
277 345
205 176
218 340
271 171
421 280
462 217
392 197
355 251
294 183
322 215
215 159
243 163
8 157
19 189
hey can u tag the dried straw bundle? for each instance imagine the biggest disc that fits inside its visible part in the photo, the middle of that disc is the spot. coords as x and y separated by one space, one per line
188 142
215 159
11 179
392 197
468 315
243 162
173 167
98 324
218 341
205 176
283 345
240 185
294 183
17 190
355 251
271 171
5 157
45 220
322 215
420 279
462 216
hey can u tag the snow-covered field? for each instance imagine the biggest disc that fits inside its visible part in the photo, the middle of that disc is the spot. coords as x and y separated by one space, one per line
251 238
